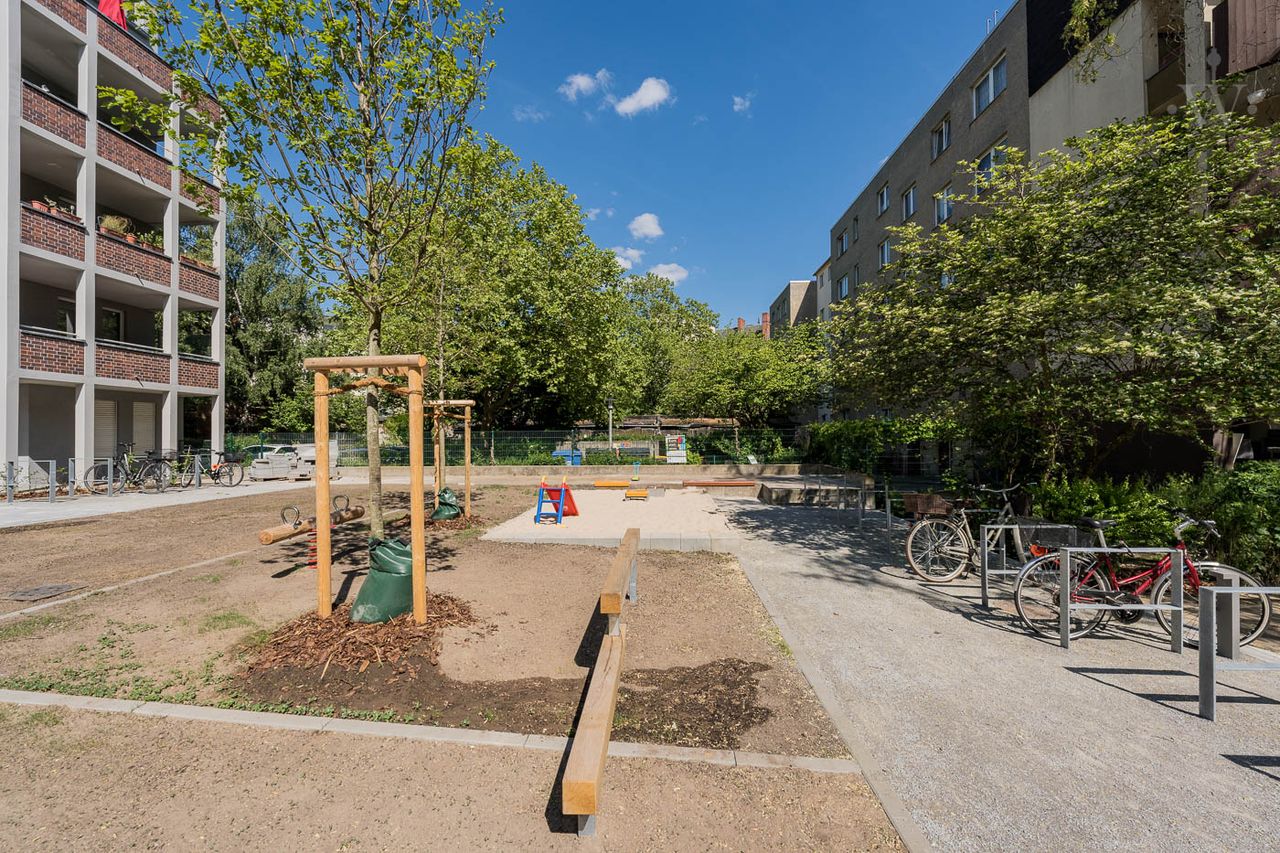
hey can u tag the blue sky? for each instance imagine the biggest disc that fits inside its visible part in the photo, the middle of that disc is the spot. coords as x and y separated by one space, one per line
757 125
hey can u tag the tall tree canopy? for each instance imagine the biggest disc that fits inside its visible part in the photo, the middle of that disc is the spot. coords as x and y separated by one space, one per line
1134 280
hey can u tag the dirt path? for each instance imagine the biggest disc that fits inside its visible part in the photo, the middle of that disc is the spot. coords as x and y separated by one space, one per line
184 785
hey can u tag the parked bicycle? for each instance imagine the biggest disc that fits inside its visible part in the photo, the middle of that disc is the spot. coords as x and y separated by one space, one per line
226 470
1102 579
942 549
147 473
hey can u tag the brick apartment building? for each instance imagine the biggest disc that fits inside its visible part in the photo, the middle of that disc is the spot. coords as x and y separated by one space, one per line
113 256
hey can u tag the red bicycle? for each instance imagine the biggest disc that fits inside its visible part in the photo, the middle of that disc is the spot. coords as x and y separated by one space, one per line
1102 579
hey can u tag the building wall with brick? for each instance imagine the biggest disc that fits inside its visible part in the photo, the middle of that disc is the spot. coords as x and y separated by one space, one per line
124 152
71 11
47 112
132 259
197 373
119 363
127 50
51 354
52 233
192 279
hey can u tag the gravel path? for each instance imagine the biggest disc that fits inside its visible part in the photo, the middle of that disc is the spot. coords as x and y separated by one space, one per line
997 740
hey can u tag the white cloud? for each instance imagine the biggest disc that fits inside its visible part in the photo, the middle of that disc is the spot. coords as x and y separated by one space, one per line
579 85
528 112
672 272
627 258
653 93
699 119
742 103
592 214
608 213
645 227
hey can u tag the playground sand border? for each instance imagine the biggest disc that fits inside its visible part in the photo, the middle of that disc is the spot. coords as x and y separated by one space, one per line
437 734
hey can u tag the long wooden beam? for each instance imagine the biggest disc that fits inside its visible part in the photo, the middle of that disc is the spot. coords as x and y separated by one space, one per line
324 542
280 532
584 771
364 362
619 577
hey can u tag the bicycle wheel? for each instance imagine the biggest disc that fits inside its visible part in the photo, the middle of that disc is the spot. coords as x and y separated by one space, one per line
154 476
938 550
1037 596
1255 608
230 473
96 478
188 474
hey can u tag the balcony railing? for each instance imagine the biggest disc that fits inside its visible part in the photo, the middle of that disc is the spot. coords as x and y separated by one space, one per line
132 362
50 351
199 191
134 260
133 52
133 155
71 11
48 111
52 232
198 280
197 371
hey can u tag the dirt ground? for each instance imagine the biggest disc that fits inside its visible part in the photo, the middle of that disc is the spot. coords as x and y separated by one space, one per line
704 665
191 785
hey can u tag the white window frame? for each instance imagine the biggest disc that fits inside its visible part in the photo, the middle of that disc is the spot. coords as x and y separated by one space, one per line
940 138
857 275
986 85
884 253
120 325
882 199
944 201
842 243
990 157
909 203
843 289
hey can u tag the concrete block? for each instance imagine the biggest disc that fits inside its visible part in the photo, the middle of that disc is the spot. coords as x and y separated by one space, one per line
546 742
62 700
723 757
796 762
440 734
262 719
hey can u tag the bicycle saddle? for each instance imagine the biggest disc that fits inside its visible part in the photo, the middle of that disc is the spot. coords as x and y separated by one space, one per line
1098 523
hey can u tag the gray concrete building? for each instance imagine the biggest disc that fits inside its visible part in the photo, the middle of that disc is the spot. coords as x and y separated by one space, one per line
112 253
796 304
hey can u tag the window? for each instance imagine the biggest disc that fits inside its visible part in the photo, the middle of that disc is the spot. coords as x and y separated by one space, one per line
946 279
842 243
941 137
844 287
857 276
882 199
853 229
66 315
989 87
886 253
994 157
909 203
943 205
111 327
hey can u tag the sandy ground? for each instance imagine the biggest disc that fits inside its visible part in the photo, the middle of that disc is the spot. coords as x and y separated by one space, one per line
704 665
995 739
189 785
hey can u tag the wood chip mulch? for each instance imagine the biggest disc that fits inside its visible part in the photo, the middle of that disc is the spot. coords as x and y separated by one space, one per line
459 523
310 641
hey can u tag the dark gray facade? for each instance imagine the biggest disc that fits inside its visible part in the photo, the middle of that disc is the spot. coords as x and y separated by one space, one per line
1005 121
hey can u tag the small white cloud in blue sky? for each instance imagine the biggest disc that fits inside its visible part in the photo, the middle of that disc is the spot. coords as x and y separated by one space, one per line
592 214
581 85
672 272
608 214
645 227
528 112
742 103
627 258
653 93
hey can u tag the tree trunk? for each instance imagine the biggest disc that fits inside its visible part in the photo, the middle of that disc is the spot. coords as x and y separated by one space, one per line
373 434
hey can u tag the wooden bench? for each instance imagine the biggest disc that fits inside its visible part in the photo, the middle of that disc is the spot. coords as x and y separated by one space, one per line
719 484
584 771
612 484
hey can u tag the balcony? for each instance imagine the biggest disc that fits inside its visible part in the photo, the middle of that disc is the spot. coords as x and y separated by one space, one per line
132 53
71 11
59 233
52 114
132 362
195 371
50 351
133 259
200 192
198 280
133 156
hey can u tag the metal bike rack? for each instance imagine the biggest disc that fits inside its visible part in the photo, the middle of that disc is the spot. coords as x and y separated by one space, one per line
1066 605
10 484
1220 637
1001 530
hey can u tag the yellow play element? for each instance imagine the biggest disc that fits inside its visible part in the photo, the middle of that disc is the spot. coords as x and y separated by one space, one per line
611 484
636 495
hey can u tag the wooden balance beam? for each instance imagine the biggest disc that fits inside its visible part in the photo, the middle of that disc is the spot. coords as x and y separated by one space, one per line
584 771
720 484
280 532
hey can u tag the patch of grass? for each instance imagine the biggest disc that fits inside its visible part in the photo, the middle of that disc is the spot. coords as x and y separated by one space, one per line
774 638
43 719
254 640
210 578
225 620
20 628
469 532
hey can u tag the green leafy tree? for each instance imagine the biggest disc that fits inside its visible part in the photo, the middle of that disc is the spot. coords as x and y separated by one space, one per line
272 317
1132 281
343 115
747 377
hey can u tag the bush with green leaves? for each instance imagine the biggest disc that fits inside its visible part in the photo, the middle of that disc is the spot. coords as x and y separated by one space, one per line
856 445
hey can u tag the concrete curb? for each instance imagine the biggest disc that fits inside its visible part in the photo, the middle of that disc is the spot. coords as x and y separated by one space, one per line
435 734
908 830
81 596
648 542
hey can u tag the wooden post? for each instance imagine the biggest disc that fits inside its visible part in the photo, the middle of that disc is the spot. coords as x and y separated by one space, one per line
324 547
466 448
417 498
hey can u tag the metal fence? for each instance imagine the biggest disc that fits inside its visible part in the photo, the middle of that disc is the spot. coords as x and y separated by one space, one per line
585 446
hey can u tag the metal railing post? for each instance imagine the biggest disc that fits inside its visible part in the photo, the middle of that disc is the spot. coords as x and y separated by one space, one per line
111 475
1208 664
53 480
888 513
71 477
1175 623
8 482
1227 613
195 465
1064 598
986 554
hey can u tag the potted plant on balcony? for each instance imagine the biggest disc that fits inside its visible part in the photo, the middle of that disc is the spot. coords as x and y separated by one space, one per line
39 205
62 211
115 226
152 239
